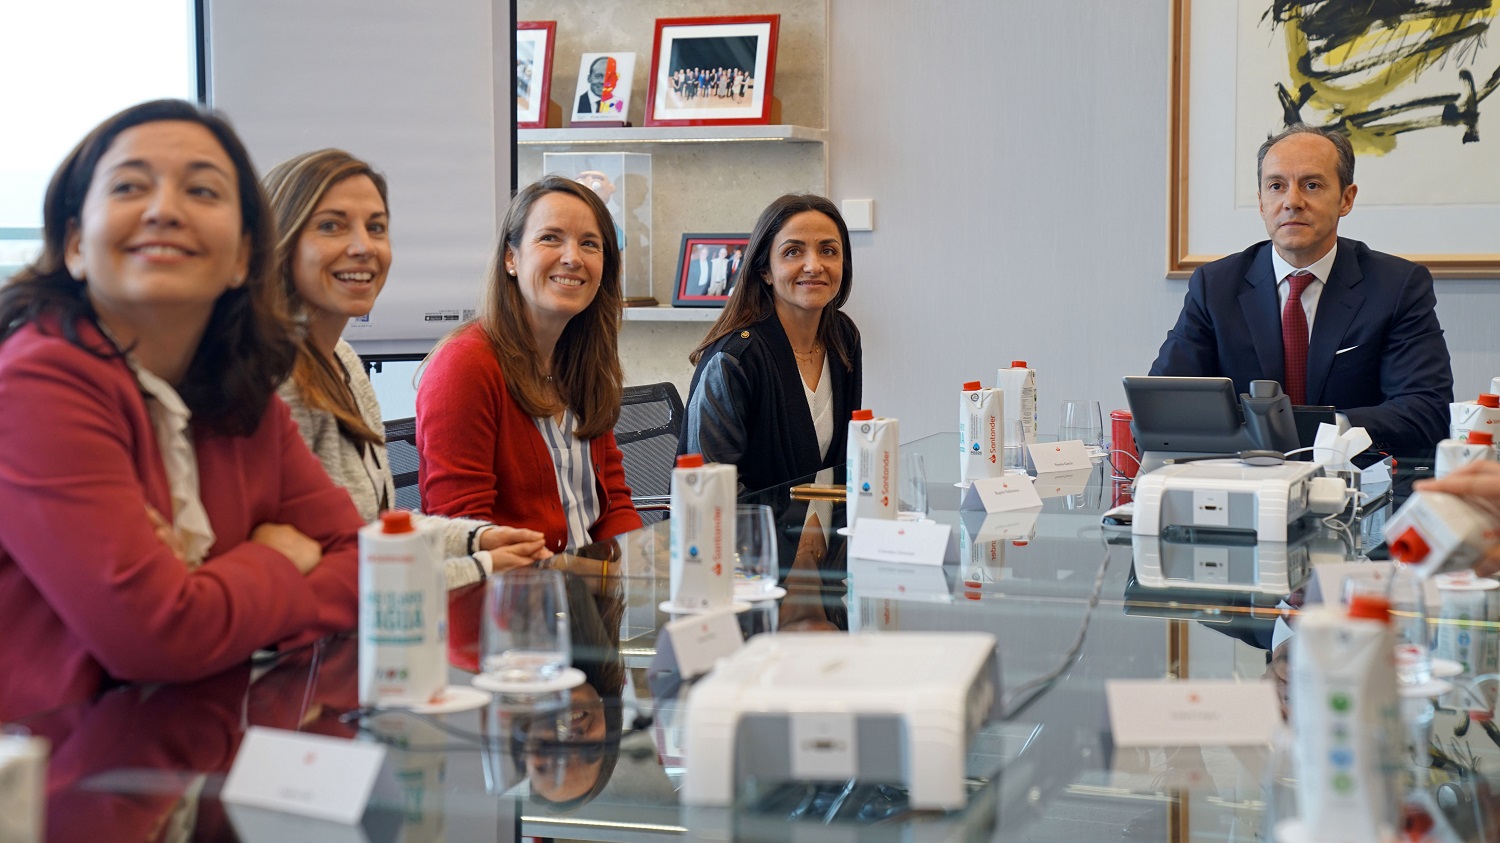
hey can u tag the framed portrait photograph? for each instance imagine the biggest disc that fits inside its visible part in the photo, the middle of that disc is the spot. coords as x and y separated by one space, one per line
603 94
708 268
712 71
534 42
1412 93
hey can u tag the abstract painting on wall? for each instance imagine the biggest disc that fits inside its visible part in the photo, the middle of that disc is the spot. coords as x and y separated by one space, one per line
1410 82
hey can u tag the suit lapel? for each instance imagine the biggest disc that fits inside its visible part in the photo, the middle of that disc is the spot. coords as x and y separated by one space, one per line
1258 301
1337 307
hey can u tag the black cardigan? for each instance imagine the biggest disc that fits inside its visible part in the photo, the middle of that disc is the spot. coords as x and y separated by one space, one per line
747 406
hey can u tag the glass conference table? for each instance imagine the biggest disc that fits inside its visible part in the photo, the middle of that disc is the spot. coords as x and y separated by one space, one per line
1060 594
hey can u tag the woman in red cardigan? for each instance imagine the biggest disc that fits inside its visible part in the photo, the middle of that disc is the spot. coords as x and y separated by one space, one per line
162 518
516 410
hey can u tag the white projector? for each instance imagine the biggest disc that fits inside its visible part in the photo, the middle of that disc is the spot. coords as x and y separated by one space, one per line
896 707
1224 496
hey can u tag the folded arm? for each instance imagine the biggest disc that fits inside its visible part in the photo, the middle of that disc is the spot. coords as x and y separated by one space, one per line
77 526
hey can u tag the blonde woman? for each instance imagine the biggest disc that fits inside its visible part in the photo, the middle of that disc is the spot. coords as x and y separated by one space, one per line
333 253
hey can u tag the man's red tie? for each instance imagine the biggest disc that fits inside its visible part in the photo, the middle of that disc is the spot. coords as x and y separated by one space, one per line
1294 337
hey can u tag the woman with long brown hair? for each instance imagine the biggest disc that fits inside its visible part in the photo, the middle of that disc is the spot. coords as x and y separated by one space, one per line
516 410
163 519
779 373
333 254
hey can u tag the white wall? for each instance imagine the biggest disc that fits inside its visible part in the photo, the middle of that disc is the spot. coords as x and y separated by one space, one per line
422 92
1017 155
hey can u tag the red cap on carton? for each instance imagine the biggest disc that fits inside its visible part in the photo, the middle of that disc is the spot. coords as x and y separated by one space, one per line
1488 400
1479 437
1410 547
395 521
1371 607
1018 364
690 461
970 386
862 415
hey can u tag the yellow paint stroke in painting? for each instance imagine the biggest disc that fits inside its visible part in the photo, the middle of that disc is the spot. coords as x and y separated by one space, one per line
1376 72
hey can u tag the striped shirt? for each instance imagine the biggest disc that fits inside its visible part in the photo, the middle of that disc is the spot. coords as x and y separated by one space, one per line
576 484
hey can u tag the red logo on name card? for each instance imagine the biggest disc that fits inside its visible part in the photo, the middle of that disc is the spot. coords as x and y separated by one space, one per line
1194 699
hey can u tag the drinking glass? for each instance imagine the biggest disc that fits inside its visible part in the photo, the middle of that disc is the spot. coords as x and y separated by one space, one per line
911 498
755 568
527 638
1017 456
1081 420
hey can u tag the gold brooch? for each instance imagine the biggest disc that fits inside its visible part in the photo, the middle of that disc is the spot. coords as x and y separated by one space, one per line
744 335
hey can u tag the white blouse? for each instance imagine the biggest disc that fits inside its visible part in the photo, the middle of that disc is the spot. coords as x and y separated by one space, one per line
170 420
820 404
575 476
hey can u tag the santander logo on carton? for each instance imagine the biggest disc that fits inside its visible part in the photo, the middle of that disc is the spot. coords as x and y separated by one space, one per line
885 478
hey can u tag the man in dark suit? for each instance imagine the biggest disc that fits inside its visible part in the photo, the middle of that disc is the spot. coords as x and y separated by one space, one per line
1332 320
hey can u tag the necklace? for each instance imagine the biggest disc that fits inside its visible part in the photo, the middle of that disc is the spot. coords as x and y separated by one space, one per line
809 355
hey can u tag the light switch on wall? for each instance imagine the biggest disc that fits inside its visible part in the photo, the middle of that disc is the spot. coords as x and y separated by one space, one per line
859 214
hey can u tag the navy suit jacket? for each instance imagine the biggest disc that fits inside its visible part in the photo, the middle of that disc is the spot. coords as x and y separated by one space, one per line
1376 351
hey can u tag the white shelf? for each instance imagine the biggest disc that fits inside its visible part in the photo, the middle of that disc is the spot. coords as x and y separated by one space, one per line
667 313
671 134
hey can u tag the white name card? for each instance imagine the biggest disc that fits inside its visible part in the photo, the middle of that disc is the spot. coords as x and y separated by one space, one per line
909 542
1060 456
300 773
1000 494
699 641
1192 712
1367 576
1375 474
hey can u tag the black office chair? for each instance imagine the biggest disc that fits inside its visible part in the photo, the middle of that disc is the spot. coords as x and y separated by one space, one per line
401 450
650 425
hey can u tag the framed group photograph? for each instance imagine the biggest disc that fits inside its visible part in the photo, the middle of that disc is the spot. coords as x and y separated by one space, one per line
1412 95
603 94
534 42
707 269
712 71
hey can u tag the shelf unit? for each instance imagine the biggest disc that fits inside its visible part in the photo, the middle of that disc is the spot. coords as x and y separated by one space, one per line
670 134
763 137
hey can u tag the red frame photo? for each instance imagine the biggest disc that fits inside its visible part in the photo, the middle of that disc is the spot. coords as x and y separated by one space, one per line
697 278
544 62
674 97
